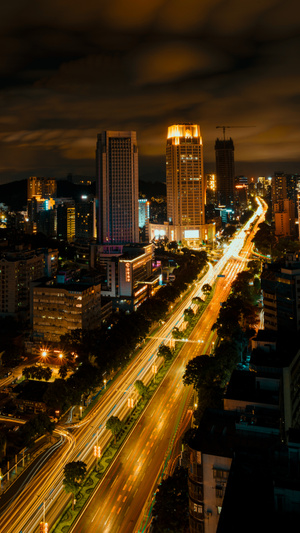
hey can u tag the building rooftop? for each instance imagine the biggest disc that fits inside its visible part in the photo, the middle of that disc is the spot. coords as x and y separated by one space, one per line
71 286
219 433
245 386
279 358
31 390
265 335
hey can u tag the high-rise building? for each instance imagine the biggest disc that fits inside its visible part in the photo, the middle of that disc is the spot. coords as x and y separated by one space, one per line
65 210
284 215
85 218
211 189
41 193
279 189
280 283
17 271
185 182
117 187
42 187
144 212
224 150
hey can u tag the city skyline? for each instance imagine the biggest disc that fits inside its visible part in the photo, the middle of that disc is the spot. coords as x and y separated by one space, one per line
69 71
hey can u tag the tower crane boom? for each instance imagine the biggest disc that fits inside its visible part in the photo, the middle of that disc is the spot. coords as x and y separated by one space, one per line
225 127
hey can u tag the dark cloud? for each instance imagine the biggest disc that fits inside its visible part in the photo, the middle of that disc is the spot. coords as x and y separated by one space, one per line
70 69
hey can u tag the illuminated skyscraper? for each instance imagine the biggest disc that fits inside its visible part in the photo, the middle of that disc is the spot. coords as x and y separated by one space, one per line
41 194
225 172
117 187
41 187
185 182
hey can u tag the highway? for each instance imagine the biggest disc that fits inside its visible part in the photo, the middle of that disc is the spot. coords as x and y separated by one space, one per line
122 501
135 472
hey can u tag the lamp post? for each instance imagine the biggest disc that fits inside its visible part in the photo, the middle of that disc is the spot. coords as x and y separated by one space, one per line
104 381
97 452
154 371
193 416
130 402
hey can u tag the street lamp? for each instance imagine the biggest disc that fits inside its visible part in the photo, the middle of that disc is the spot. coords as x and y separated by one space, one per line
80 409
97 450
104 381
154 370
130 402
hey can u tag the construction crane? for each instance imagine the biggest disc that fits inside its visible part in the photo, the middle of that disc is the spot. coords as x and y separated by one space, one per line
225 127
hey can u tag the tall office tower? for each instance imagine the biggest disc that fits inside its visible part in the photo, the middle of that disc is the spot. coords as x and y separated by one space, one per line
281 297
85 218
224 150
185 181
117 187
65 211
41 193
284 214
279 189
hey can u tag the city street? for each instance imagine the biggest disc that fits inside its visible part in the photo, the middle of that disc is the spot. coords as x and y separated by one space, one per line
133 475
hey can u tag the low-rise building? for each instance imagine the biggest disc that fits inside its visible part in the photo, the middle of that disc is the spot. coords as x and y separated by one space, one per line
128 278
59 308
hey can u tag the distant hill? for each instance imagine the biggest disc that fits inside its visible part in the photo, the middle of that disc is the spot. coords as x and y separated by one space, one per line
14 194
152 189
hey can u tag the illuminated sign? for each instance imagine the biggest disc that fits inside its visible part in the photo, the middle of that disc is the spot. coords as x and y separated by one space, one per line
159 232
127 272
191 234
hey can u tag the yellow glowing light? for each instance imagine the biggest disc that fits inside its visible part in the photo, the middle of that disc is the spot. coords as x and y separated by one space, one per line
183 130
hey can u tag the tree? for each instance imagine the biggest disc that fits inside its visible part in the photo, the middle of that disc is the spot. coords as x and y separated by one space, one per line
177 334
74 474
114 425
165 351
254 267
242 286
206 288
47 373
37 372
199 370
28 372
197 300
37 426
63 371
141 388
188 315
170 510
60 395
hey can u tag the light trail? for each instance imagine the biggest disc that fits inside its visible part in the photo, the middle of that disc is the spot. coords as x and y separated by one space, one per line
27 511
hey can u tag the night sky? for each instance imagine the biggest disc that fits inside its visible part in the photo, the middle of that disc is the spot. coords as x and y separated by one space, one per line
70 69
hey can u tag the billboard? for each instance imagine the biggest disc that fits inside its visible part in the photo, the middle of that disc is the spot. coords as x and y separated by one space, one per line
191 234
